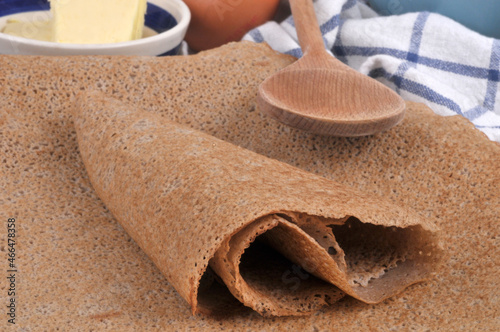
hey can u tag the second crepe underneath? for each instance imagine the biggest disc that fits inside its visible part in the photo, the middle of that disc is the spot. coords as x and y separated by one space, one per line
215 217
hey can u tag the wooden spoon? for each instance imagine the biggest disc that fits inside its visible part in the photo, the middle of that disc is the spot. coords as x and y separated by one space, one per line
320 94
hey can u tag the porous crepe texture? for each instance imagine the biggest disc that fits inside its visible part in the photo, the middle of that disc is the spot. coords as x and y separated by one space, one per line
80 269
183 194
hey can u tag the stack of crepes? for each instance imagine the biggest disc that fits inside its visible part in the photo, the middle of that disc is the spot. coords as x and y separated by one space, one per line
190 200
164 150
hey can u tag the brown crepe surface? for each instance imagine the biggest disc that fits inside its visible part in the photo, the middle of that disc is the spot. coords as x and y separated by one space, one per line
189 199
80 269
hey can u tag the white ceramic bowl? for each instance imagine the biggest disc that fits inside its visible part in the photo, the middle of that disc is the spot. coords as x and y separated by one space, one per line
166 23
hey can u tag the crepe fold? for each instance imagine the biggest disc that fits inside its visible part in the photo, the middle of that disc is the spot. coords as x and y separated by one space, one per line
212 215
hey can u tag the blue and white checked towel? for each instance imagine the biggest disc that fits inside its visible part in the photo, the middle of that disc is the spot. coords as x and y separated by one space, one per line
425 57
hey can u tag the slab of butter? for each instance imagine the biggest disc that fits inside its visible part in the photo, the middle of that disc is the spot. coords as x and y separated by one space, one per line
42 30
39 30
97 21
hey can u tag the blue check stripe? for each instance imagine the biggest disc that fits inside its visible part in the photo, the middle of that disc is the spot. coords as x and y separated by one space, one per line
415 40
349 4
416 88
332 24
256 36
488 127
416 37
338 45
296 52
335 21
492 88
448 66
475 112
370 51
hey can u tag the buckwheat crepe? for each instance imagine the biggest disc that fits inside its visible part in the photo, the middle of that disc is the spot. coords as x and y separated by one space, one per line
80 270
189 199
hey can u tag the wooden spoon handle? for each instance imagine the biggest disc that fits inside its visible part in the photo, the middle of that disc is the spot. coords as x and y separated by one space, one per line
306 24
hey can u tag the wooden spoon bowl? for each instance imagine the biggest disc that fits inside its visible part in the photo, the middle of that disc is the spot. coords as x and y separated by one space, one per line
320 94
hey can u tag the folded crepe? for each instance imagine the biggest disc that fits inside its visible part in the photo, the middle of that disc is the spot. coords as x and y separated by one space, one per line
191 201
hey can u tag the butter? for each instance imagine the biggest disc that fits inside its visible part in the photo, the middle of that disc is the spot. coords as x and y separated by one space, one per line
39 30
86 22
97 21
